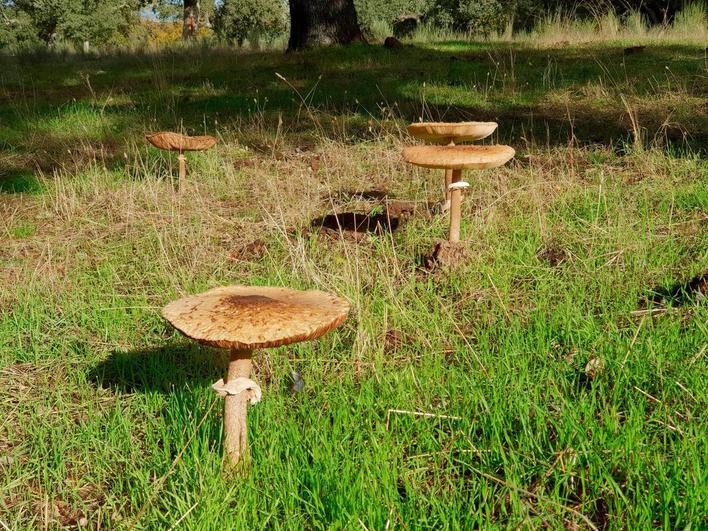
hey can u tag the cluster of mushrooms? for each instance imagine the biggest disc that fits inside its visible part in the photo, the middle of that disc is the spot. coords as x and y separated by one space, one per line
449 156
244 318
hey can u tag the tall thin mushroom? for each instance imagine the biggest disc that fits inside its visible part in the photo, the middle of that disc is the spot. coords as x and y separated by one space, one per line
457 158
451 133
241 319
170 141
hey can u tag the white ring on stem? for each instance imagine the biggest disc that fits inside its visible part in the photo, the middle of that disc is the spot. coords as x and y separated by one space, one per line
459 185
238 386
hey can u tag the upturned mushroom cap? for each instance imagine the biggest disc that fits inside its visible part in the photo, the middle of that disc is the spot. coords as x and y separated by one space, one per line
177 142
441 132
247 317
458 157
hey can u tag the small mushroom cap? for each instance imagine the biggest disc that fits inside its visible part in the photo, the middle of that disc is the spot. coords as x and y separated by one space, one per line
458 157
176 142
441 132
246 317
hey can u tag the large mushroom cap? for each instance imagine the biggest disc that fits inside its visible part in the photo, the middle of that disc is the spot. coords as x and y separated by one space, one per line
176 142
247 317
441 132
458 157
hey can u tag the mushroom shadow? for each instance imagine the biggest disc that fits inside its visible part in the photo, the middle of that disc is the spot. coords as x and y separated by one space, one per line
680 293
161 369
363 195
357 222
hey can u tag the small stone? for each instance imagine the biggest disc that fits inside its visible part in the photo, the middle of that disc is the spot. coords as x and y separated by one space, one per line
594 367
298 384
392 43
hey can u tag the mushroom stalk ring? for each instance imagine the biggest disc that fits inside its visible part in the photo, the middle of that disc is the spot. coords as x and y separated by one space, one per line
238 386
244 318
459 185
454 159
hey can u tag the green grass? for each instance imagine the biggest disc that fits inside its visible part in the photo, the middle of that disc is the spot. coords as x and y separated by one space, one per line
567 251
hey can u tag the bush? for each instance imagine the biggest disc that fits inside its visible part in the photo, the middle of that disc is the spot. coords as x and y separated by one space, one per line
374 14
471 16
16 31
252 20
69 21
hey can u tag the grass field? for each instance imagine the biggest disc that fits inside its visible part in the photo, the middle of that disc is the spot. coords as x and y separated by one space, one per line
563 363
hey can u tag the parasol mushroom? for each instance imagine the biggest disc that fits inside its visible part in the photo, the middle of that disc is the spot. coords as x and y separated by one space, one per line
243 318
456 159
176 142
451 134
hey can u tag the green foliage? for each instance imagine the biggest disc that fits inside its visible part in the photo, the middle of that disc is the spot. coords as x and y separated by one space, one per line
174 10
16 28
371 12
489 16
252 20
474 16
97 21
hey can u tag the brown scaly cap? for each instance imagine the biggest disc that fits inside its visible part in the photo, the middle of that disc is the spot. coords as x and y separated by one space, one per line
458 157
177 142
246 317
442 132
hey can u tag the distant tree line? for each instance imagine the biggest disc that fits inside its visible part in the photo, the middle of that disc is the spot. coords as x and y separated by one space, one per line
312 22
487 16
49 21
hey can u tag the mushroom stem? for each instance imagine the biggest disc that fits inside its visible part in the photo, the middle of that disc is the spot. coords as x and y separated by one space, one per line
448 177
182 171
455 208
235 408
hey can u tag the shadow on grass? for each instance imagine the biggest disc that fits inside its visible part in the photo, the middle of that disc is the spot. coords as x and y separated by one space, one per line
161 369
19 181
686 293
357 222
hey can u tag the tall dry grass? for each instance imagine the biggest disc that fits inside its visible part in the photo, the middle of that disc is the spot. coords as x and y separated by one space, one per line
689 25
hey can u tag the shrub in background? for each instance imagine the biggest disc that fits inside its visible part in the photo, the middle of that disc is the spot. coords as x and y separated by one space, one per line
251 20
377 17
98 21
157 33
16 29
481 17
170 11
73 21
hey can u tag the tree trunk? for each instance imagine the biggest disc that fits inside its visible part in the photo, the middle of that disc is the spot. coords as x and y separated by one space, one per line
190 20
322 23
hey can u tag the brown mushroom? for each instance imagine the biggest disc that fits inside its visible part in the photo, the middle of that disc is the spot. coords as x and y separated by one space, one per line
176 142
450 134
456 159
243 318
455 132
